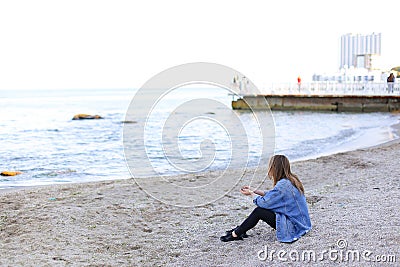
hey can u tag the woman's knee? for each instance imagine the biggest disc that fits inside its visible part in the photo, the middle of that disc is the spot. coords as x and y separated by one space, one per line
263 211
266 215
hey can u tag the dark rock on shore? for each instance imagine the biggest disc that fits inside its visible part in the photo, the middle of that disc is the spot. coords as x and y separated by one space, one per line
87 117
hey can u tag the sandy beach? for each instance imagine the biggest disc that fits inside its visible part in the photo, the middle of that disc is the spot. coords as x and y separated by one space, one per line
353 197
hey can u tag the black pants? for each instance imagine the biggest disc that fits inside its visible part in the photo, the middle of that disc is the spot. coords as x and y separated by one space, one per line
258 213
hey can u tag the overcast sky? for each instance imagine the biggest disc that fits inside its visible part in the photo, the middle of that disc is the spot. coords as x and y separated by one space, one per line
122 44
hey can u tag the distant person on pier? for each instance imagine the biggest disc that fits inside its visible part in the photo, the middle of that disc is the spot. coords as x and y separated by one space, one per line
299 82
390 82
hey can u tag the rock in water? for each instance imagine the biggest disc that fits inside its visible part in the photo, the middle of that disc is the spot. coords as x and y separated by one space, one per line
86 117
8 173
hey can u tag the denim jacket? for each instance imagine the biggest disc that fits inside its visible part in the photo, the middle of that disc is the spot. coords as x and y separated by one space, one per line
290 207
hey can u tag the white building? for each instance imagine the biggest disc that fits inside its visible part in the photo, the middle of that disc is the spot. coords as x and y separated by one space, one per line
360 51
360 60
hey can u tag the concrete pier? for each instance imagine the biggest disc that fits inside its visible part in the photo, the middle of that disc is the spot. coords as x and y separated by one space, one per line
338 103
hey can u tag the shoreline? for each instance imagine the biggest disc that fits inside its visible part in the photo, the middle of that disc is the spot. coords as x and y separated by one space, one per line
352 196
59 173
395 128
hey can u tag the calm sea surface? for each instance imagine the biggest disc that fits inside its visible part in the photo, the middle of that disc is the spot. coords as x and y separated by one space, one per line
39 137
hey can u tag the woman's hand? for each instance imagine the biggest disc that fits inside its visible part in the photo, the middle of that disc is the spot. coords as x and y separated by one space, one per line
245 190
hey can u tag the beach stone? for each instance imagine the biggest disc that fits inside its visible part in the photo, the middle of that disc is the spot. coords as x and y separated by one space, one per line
9 173
86 117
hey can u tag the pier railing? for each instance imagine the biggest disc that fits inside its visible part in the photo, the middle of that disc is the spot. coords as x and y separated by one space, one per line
328 88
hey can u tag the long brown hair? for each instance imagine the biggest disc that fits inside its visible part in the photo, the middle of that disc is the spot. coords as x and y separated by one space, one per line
279 167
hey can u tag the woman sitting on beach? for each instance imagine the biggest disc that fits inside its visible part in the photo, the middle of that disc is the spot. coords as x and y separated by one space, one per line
284 207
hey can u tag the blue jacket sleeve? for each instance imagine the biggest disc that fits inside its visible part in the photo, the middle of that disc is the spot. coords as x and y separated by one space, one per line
271 200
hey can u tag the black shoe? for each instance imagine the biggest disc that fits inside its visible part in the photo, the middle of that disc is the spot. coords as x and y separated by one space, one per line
229 232
230 237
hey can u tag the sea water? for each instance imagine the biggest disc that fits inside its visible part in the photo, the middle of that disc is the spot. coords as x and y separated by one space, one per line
39 138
